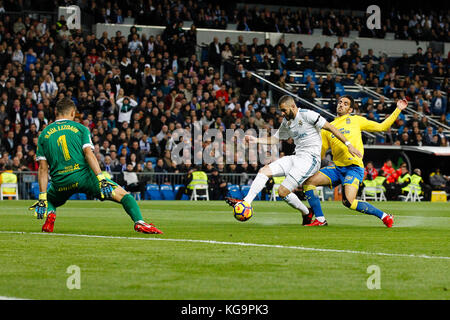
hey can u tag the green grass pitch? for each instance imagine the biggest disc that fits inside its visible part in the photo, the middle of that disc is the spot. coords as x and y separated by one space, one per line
206 254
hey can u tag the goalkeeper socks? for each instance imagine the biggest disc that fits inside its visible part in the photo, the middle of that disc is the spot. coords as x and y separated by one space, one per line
131 207
258 184
51 207
367 208
314 202
295 203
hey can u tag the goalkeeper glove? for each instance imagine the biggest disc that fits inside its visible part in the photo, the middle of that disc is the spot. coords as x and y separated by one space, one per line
40 206
106 187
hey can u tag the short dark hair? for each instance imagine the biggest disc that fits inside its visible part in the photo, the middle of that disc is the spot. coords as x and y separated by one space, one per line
284 99
353 104
64 105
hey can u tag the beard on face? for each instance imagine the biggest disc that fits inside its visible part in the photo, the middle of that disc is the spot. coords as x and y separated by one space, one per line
290 115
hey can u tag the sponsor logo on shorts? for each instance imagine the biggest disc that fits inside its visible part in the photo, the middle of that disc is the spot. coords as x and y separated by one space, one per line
69 187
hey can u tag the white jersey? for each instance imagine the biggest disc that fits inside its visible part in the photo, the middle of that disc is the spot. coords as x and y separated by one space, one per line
305 130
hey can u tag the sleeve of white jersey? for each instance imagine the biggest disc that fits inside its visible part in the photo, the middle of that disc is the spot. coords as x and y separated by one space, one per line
314 118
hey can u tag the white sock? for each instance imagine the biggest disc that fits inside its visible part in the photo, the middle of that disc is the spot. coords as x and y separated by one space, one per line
321 218
295 203
383 216
258 184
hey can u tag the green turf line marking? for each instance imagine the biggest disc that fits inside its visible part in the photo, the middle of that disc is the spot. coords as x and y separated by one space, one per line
243 244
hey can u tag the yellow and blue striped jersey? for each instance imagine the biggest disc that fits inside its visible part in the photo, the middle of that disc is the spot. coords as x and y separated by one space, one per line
351 127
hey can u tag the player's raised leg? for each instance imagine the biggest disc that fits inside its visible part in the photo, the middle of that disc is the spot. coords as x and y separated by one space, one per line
349 200
257 185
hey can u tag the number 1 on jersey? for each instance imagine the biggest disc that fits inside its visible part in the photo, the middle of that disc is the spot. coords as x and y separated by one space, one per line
63 144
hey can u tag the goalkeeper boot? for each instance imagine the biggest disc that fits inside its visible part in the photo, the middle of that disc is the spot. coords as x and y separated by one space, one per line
49 222
388 220
141 226
307 219
317 223
231 201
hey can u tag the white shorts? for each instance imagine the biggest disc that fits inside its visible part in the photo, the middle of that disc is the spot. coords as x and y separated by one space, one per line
296 169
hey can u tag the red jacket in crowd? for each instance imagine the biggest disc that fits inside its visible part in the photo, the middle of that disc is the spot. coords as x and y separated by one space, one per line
390 173
373 172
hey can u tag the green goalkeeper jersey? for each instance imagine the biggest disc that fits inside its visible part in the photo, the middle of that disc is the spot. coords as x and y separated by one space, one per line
62 144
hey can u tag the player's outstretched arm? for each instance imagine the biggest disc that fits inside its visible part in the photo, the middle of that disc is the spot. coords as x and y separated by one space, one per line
106 188
40 206
373 126
353 151
269 140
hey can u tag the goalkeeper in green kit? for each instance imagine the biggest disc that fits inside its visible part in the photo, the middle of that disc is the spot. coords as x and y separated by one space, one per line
66 152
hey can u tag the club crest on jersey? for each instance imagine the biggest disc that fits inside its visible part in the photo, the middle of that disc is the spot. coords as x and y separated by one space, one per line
347 120
300 123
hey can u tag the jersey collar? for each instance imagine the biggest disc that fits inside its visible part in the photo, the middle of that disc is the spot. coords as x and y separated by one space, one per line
62 120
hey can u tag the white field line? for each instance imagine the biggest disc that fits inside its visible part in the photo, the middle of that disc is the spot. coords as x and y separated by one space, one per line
243 244
10 298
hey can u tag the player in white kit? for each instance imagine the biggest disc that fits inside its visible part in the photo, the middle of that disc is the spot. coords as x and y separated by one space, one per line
304 127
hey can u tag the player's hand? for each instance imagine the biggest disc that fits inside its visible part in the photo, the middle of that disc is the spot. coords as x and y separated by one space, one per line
106 187
40 206
354 152
402 104
251 139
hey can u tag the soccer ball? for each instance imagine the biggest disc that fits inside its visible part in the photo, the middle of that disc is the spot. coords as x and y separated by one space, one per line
243 211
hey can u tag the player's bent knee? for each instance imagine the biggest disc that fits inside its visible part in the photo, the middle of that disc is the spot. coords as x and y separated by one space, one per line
283 192
351 204
119 193
265 171
346 203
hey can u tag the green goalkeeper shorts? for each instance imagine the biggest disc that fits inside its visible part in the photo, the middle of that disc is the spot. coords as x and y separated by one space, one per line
83 181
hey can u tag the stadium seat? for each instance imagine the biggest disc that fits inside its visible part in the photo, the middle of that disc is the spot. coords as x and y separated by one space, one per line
152 192
175 191
234 191
274 194
152 160
136 195
361 73
244 190
82 196
413 195
340 89
74 197
309 72
320 193
13 186
167 192
196 195
35 190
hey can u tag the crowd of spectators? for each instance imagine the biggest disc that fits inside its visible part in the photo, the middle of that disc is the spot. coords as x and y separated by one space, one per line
133 91
422 79
405 23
